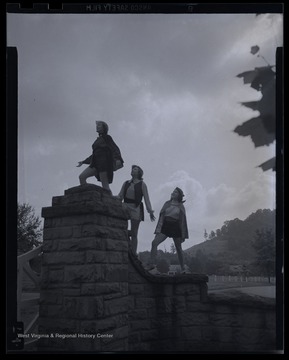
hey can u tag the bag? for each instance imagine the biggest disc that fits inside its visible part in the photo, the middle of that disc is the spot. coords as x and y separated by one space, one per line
117 164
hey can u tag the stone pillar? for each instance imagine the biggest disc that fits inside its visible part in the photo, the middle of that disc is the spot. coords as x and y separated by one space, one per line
84 290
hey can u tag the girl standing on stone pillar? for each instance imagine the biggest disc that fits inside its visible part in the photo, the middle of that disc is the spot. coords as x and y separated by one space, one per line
132 193
105 158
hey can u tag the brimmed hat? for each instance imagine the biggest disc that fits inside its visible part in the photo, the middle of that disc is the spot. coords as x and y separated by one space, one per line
139 169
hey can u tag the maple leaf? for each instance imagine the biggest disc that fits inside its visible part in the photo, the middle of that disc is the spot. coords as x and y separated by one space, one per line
269 164
257 131
262 128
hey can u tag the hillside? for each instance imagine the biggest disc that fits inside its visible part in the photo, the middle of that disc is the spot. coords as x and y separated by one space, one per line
233 242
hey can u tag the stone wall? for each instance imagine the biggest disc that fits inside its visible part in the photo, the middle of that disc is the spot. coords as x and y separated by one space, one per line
84 288
165 312
176 314
96 296
240 323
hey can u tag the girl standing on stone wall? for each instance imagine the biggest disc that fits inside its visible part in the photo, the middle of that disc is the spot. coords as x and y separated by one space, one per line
172 223
132 193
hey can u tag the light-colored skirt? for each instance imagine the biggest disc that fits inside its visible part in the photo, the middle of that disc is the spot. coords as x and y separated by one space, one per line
135 212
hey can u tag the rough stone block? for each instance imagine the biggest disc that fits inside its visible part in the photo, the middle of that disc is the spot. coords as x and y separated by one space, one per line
57 233
104 325
144 303
112 296
104 288
140 325
196 306
160 290
254 320
48 223
141 346
115 346
179 304
134 278
191 319
120 332
52 276
83 307
57 325
95 256
51 297
270 320
208 333
82 345
134 338
131 302
148 335
162 321
187 289
49 246
139 314
115 306
104 232
191 333
70 257
254 336
136 289
50 311
225 334
170 333
164 305
71 292
233 320
83 273
115 273
79 244
118 243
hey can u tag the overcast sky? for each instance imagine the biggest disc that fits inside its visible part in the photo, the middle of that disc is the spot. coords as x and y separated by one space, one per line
166 85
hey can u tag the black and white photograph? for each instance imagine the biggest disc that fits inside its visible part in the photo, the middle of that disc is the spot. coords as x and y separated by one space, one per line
146 205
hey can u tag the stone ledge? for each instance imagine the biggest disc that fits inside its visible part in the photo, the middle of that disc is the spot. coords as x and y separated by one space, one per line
114 210
165 279
101 202
84 188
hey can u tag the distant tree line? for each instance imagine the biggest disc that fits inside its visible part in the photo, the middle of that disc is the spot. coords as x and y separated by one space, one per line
248 246
237 248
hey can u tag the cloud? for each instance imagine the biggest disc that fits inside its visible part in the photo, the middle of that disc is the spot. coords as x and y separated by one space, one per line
210 208
166 85
226 203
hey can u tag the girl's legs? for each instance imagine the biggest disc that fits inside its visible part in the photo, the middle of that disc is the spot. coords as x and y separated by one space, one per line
159 238
178 245
104 181
134 232
88 172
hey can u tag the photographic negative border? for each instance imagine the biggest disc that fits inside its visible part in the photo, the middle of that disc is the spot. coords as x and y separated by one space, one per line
11 135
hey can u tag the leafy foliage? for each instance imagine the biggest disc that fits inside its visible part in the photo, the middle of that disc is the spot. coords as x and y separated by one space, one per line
205 234
233 246
232 249
163 266
264 245
29 232
261 128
